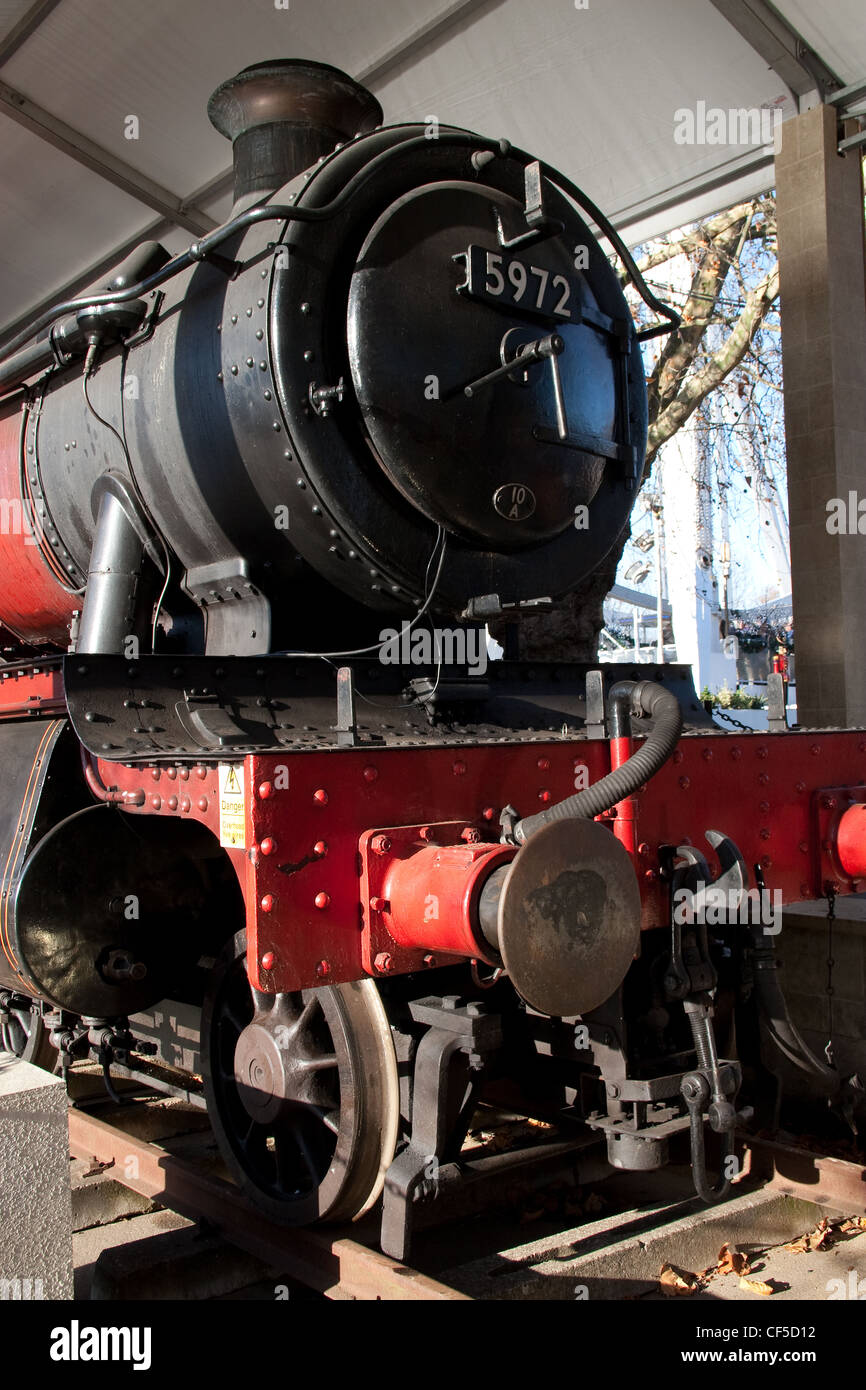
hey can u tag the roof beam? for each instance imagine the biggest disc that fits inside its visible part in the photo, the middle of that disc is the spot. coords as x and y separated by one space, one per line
95 272
776 41
27 25
77 146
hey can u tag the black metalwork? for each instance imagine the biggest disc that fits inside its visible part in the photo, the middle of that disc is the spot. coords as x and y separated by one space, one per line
443 1096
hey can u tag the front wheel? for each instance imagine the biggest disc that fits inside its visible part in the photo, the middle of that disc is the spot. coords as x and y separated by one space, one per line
302 1092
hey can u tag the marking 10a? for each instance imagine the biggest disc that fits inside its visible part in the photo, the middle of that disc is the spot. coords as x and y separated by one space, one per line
508 281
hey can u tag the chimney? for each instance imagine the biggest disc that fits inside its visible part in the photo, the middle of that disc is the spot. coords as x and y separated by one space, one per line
281 116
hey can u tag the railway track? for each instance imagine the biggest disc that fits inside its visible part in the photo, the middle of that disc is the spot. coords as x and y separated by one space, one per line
612 1242
337 1267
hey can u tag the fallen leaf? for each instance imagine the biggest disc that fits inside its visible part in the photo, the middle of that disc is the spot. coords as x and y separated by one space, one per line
854 1223
675 1282
822 1235
732 1261
757 1286
799 1246
97 1167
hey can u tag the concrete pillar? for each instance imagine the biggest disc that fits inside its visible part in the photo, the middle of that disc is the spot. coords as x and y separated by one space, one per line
35 1200
823 306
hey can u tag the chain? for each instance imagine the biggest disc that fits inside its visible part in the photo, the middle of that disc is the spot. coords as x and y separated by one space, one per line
729 719
831 917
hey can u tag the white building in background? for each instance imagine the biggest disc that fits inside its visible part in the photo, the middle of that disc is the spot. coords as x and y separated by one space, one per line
684 481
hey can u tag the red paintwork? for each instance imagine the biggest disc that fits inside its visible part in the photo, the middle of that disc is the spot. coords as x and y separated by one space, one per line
33 605
422 893
846 832
626 811
763 790
29 690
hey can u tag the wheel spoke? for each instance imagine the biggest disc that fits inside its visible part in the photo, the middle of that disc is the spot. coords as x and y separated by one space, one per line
304 1150
321 1063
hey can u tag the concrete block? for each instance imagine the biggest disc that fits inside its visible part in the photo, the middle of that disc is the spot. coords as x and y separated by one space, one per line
35 1202
98 1198
170 1260
620 1257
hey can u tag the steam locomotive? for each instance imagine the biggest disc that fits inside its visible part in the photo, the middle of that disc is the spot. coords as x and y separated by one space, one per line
397 396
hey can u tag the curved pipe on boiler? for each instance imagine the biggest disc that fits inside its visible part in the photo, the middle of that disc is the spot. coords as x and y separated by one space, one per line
638 699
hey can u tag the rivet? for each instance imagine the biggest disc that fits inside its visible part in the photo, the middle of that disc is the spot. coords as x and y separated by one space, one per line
708 755
323 968
250 362
543 764
201 772
320 848
268 960
544 795
305 308
268 845
321 797
458 769
815 749
235 369
184 774
678 756
234 318
155 774
277 426
260 333
763 807
763 778
321 900
267 395
736 753
261 303
764 832
172 803
308 355
763 751
800 787
202 803
267 903
488 813
804 848
266 789
370 773
156 801
185 803
685 782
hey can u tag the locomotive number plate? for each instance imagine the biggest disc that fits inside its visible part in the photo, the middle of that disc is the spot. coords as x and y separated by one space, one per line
509 281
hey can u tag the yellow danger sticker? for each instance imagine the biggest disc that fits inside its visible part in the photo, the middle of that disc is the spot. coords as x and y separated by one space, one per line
232 807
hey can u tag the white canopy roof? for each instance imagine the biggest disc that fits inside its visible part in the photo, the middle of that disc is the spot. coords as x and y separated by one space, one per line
591 86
